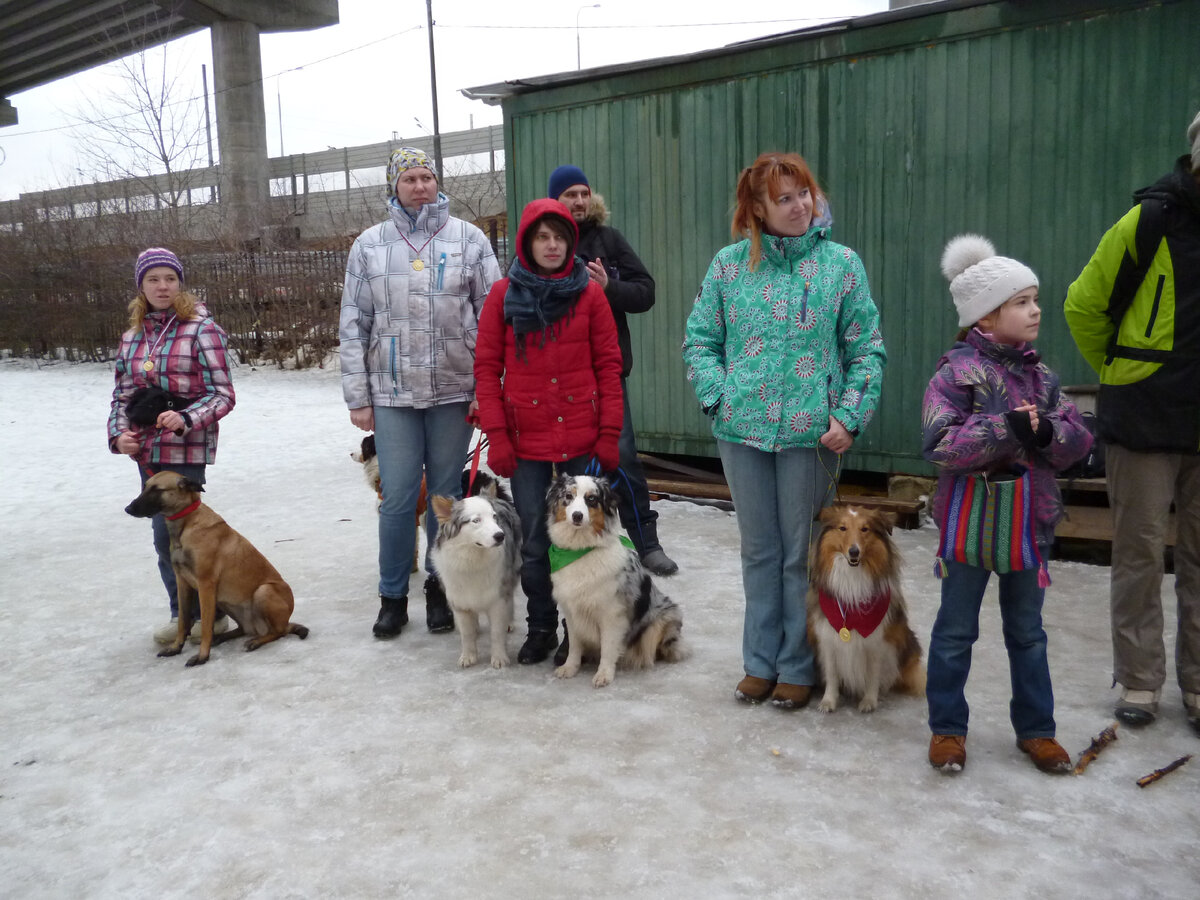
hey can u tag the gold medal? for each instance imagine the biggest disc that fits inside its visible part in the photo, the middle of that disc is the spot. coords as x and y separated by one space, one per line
844 634
148 366
418 265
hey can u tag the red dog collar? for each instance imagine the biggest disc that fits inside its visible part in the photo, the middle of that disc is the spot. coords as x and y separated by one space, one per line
863 619
186 511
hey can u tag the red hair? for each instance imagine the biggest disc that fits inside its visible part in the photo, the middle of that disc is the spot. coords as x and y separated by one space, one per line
763 180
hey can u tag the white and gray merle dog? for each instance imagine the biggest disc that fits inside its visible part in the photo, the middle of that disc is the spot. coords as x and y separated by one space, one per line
612 607
477 555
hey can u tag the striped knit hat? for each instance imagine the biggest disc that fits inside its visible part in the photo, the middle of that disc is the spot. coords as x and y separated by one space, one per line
155 256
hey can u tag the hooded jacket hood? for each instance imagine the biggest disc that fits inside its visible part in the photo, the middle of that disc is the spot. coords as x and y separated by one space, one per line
1177 186
534 211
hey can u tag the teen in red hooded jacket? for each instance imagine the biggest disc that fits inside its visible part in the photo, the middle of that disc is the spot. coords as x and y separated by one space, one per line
548 384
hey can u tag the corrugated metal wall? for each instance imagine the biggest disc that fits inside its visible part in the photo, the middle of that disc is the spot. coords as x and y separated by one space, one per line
999 118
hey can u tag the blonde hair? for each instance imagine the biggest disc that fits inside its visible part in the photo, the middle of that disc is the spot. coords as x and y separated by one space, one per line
184 306
762 180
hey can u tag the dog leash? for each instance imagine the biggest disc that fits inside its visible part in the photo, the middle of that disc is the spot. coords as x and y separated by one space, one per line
474 459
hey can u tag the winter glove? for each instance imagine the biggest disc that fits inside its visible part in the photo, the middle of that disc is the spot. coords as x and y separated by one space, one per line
1019 424
501 457
608 452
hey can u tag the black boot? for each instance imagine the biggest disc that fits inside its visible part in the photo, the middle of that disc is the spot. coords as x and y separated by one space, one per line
538 645
560 655
438 616
393 615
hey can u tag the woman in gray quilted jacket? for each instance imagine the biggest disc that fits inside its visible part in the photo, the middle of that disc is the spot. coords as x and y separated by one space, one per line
415 285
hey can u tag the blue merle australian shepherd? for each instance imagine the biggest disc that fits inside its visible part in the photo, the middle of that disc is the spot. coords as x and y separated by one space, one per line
477 555
612 607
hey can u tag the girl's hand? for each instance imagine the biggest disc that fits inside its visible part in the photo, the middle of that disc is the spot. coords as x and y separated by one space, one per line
128 443
1033 415
837 438
171 421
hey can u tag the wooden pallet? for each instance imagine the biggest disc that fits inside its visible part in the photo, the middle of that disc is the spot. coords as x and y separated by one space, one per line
908 512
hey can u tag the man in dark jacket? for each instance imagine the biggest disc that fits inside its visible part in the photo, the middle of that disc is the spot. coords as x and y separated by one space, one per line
1134 312
616 268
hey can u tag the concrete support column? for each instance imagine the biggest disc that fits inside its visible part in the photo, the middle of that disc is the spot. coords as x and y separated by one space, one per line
241 128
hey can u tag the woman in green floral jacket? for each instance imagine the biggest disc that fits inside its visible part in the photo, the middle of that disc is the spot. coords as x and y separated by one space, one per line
783 350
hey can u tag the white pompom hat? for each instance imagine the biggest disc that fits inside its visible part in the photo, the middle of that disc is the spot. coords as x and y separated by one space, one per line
981 281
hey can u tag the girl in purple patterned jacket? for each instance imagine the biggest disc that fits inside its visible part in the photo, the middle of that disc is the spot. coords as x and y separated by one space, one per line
993 407
172 343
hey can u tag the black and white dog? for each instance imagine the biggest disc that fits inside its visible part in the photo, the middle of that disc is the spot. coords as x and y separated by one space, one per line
612 607
477 555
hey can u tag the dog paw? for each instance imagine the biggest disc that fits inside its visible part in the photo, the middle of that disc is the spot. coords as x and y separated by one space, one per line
827 705
868 704
603 677
196 661
170 651
467 660
566 670
499 662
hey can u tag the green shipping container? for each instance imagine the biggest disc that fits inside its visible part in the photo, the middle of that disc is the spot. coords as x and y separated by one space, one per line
1030 123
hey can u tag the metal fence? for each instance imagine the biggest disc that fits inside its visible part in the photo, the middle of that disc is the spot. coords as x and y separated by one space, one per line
277 307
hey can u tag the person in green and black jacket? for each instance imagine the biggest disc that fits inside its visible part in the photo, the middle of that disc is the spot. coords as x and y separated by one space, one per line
1137 322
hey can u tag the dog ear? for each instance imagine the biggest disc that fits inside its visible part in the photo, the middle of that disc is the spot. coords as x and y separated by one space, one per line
828 514
441 507
188 484
488 489
887 519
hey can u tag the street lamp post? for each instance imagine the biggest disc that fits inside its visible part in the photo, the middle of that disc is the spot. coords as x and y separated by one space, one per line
578 57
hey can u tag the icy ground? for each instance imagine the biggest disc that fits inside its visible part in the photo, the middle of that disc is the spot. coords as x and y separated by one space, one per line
345 766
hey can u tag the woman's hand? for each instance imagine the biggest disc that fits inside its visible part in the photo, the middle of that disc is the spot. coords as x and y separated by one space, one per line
837 438
128 443
363 417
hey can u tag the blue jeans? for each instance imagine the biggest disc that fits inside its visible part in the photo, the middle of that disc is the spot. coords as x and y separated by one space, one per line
529 485
409 442
162 540
955 631
776 496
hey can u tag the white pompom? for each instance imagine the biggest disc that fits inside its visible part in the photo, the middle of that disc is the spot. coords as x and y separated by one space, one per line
963 252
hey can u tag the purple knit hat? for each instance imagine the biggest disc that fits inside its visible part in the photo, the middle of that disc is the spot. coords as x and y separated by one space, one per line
155 256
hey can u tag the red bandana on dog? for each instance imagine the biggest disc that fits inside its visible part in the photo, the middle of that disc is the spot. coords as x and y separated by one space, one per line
863 619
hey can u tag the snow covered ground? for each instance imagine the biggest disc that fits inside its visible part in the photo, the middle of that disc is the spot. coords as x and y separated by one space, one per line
345 766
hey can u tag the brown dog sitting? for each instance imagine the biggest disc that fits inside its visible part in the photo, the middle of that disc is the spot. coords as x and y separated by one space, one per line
219 564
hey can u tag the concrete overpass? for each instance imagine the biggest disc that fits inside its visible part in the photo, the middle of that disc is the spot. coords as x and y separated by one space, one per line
43 40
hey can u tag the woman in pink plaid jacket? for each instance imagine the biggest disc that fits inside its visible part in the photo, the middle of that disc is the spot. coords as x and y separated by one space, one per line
174 344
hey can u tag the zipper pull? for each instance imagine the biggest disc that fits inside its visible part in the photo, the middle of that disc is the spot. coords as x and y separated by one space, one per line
804 302
441 272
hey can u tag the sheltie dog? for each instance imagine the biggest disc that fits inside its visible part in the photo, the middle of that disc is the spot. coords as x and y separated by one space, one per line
367 456
477 556
611 605
857 619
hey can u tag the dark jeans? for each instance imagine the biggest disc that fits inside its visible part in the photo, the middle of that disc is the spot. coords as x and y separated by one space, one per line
162 540
955 631
529 485
637 518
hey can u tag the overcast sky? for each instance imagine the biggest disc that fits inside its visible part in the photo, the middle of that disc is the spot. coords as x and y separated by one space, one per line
361 80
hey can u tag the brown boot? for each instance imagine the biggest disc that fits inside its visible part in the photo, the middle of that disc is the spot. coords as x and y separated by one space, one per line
1047 754
790 696
753 690
948 752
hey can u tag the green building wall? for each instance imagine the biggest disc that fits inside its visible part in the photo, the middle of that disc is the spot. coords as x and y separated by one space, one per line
1031 123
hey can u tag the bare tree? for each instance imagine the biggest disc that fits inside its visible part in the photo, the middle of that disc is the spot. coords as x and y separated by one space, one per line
148 131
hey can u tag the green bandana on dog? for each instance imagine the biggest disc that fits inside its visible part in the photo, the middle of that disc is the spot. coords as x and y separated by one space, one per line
561 557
